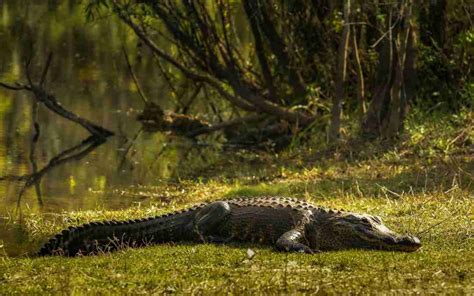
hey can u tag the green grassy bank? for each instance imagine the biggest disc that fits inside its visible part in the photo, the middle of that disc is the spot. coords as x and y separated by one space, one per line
423 185
444 264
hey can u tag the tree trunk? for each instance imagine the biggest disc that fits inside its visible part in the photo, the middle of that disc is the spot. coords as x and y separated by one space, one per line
433 23
360 77
394 125
371 126
340 77
410 73
397 58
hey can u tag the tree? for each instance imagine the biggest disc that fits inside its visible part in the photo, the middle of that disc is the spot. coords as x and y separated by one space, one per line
388 107
340 76
275 59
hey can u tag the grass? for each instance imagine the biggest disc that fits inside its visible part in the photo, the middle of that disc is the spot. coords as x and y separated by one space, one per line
423 185
444 265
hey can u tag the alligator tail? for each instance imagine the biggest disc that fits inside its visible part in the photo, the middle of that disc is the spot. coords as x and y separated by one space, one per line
97 237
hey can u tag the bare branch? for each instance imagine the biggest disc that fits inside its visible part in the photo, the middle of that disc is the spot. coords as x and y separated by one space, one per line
11 87
203 44
46 68
259 49
134 77
52 104
189 74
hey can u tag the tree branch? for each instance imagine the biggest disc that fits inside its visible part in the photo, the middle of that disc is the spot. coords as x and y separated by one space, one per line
197 38
189 74
11 87
46 68
134 77
250 12
52 104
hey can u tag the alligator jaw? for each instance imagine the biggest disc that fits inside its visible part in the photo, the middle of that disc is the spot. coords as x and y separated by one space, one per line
405 243
388 240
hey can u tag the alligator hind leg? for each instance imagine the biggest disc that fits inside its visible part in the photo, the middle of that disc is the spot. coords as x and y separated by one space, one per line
209 220
290 241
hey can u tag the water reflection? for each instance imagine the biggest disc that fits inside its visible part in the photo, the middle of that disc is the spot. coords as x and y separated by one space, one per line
88 76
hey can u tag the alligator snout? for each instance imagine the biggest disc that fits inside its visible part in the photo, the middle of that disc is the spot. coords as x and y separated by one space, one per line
409 243
406 243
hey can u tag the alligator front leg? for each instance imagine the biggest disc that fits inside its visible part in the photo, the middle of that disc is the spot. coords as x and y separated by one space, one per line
291 241
209 220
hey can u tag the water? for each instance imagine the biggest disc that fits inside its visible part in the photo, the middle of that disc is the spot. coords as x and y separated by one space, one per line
88 76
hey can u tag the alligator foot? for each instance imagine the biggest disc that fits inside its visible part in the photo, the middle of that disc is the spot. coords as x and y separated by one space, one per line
290 241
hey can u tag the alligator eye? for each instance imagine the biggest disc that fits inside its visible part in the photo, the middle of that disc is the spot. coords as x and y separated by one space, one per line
367 224
377 219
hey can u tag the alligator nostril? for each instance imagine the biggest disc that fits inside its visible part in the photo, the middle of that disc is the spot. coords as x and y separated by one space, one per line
411 242
415 240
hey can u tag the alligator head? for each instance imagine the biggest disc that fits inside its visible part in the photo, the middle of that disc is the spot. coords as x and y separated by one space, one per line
349 230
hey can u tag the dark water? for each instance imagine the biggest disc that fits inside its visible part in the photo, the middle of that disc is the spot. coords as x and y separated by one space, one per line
88 76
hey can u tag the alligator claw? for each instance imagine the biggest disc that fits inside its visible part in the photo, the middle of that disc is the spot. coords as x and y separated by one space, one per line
299 248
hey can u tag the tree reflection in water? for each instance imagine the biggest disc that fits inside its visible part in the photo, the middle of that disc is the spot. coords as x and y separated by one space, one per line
98 134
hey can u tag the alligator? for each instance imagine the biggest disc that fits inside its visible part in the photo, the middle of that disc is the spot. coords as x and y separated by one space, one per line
290 224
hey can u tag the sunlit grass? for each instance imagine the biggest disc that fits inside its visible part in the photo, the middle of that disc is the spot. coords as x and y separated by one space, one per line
444 264
426 194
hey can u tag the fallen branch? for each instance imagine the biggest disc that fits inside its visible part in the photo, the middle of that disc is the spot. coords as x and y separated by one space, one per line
224 125
50 102
153 119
